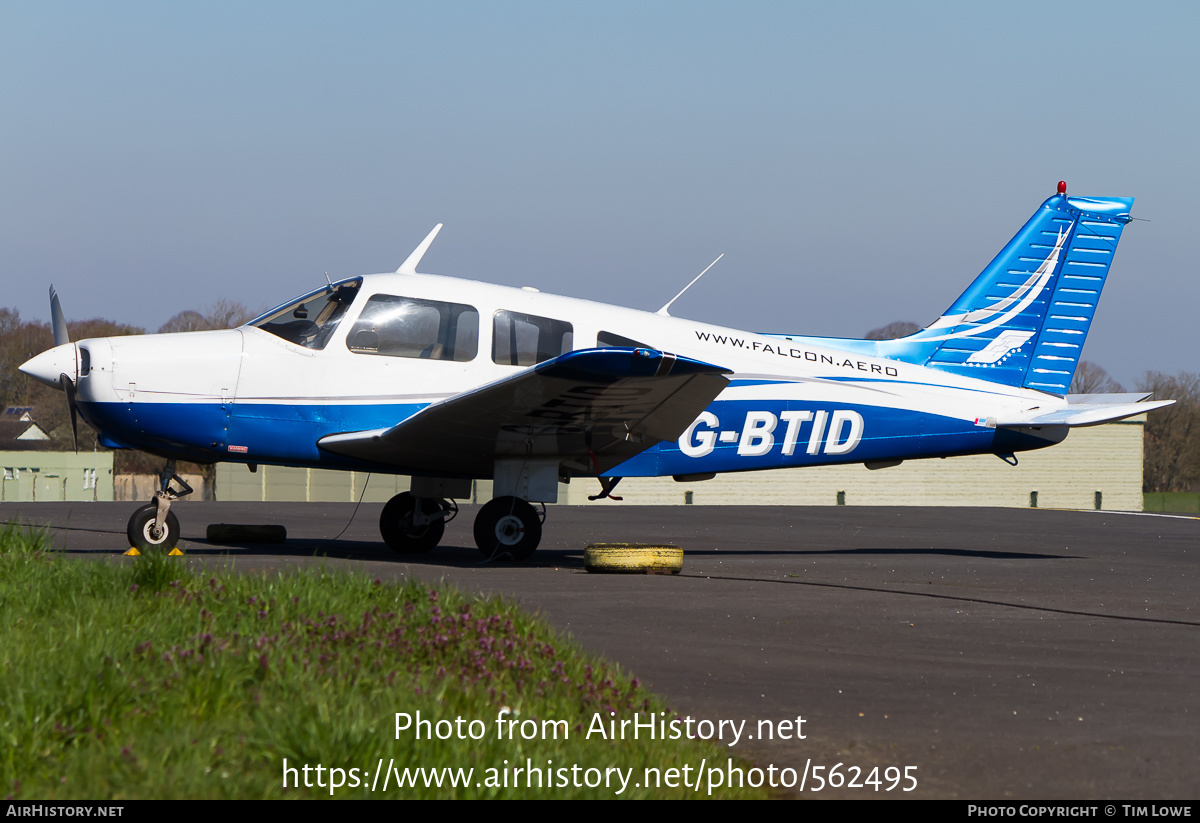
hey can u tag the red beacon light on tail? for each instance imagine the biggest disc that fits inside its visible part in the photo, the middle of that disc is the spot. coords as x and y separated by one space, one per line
1062 187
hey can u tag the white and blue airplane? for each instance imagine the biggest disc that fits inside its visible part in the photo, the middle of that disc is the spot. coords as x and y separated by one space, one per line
450 380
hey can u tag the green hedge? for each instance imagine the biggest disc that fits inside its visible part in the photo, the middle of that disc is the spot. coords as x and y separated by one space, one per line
1182 502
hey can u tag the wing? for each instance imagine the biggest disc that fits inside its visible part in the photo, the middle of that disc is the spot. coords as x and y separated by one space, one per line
591 409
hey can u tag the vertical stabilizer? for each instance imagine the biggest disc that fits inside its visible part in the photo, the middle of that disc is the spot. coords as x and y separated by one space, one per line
1024 319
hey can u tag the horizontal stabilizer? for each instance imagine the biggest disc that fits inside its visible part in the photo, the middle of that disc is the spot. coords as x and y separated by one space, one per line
591 410
1109 398
1082 414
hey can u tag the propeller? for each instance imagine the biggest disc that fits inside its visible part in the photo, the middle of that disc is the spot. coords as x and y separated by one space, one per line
68 388
58 322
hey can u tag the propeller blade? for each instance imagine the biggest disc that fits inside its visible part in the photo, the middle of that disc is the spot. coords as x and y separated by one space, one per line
58 322
68 387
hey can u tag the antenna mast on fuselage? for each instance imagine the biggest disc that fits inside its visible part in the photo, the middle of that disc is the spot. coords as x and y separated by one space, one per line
663 311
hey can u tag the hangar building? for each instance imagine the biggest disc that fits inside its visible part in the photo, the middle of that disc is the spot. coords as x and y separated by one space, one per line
1096 467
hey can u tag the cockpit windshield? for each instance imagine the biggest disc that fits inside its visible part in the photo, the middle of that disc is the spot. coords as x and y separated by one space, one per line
310 321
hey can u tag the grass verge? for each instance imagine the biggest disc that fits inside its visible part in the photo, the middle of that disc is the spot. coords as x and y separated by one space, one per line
142 679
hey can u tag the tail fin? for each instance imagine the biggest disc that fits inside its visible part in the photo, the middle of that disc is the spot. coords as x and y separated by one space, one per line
1024 320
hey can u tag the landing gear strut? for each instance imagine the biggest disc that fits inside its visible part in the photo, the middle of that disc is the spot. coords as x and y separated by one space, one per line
508 527
410 525
154 526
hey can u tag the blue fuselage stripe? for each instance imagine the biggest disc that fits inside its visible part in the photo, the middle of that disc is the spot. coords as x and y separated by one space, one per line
243 432
732 435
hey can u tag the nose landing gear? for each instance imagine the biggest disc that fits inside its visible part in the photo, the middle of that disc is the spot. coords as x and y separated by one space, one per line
145 532
154 527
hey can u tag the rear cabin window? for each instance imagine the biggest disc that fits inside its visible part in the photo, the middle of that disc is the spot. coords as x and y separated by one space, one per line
410 327
526 339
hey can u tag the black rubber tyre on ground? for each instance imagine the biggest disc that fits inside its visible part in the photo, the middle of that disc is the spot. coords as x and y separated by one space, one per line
397 529
507 528
141 532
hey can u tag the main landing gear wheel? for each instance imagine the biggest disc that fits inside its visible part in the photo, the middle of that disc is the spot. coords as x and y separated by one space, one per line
507 527
411 525
144 537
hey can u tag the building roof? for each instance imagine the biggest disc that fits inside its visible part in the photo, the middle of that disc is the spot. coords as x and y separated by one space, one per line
20 432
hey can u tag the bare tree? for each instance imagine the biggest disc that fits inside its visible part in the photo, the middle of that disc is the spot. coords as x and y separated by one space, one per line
98 327
227 314
900 328
1171 461
1092 379
188 320
223 314
10 320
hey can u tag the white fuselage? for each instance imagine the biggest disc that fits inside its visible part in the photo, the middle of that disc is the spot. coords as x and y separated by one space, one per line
250 395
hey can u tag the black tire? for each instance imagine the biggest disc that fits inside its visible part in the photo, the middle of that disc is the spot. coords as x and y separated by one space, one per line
507 527
141 531
397 530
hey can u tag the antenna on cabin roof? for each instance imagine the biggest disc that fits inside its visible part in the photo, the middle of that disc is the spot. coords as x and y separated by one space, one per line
663 311
327 280
409 266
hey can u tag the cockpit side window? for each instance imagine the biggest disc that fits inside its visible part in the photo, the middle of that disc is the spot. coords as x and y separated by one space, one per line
410 327
311 320
526 339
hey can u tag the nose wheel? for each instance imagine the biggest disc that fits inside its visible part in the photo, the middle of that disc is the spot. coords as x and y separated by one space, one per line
154 527
508 528
146 535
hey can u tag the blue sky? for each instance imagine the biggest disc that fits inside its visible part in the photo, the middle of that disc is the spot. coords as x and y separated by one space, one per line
857 163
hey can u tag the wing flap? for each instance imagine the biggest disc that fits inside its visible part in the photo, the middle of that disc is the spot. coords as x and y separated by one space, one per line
591 409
